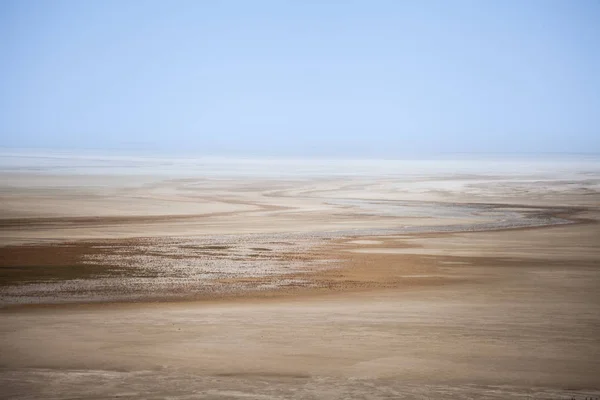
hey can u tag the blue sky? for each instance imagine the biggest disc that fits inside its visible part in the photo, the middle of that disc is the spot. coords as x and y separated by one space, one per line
332 78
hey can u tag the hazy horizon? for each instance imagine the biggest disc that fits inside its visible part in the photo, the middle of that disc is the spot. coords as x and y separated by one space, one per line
191 153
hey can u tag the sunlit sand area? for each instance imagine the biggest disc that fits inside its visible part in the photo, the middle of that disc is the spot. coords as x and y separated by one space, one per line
272 279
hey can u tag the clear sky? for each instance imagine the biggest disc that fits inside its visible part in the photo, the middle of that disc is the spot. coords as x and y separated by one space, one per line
307 77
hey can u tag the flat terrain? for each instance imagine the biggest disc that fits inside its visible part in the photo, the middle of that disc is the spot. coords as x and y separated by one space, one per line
378 284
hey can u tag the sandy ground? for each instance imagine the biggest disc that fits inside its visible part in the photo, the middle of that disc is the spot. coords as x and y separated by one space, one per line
378 301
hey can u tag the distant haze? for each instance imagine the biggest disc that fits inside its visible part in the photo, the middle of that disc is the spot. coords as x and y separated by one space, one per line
309 78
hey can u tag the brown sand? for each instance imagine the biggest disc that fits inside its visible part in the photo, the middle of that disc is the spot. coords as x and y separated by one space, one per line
502 314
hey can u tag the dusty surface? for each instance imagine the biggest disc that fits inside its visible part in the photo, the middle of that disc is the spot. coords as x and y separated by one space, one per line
370 285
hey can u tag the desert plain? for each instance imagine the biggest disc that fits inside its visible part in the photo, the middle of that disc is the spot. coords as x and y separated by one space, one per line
288 279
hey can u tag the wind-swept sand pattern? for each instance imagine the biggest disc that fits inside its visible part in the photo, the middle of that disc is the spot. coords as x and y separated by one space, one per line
372 280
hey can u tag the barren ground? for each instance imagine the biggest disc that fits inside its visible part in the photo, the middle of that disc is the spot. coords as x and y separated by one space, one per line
469 286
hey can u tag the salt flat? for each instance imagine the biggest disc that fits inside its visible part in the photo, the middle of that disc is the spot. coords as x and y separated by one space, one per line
275 279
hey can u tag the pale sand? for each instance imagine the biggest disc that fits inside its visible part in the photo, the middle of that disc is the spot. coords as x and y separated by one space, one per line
503 314
59 208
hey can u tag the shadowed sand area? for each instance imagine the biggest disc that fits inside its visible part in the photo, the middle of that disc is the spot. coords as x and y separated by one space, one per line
368 285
